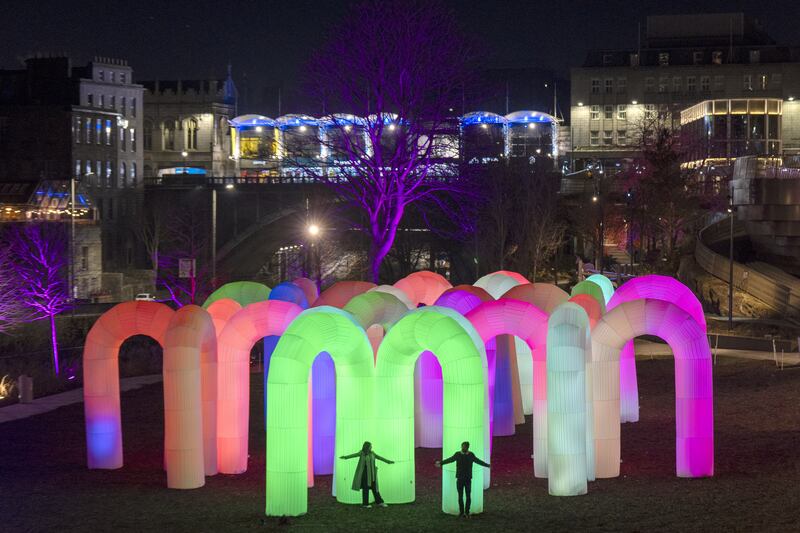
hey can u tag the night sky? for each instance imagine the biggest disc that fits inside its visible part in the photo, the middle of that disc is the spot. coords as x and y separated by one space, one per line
269 41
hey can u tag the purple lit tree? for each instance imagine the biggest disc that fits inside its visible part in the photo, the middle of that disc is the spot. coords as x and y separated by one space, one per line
12 312
38 259
402 68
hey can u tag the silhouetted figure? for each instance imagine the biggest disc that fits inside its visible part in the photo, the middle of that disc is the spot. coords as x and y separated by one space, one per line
366 476
463 460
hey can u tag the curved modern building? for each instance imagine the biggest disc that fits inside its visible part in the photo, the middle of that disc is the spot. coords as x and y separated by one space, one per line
263 147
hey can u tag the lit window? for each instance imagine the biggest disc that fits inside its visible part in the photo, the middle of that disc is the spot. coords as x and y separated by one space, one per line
98 131
663 59
622 85
697 57
78 129
108 132
622 137
88 130
747 82
762 82
649 84
594 138
132 173
122 139
168 131
716 57
622 112
608 137
78 168
609 85
594 113
650 111
705 83
112 102
98 174
112 76
109 171
123 173
133 107
608 112
132 136
100 100
595 86
691 84
191 134
88 167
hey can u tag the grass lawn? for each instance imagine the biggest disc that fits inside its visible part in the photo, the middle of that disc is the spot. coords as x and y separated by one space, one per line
45 486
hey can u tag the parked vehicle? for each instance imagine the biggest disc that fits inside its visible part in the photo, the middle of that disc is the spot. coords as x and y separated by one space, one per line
145 297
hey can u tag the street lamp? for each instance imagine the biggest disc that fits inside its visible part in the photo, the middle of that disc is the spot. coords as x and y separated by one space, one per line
185 154
314 232
730 266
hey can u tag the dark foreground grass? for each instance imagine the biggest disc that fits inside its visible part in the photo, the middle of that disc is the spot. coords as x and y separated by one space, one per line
45 486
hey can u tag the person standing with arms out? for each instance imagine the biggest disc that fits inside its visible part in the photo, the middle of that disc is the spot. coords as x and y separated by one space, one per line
366 476
463 459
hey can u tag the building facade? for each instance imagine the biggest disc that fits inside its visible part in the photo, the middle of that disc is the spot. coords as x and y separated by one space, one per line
59 122
685 61
186 127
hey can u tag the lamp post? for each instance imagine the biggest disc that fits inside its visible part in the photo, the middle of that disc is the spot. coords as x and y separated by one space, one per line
314 232
730 265
184 155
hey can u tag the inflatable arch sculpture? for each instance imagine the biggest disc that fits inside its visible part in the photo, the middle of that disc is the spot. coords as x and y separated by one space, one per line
188 340
592 289
504 349
376 312
321 329
256 321
221 312
465 414
527 322
569 422
694 410
654 287
594 310
309 289
423 287
341 292
605 285
243 292
397 293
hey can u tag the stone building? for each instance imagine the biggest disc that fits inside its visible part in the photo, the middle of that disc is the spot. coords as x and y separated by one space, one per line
186 127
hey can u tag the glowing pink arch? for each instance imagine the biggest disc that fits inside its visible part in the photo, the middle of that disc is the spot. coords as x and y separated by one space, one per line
694 402
252 323
654 287
529 323
222 311
341 292
189 344
423 287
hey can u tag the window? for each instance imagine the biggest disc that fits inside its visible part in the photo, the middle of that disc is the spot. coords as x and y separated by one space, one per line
719 83
108 132
90 100
101 75
148 135
608 138
594 138
716 57
622 85
132 136
123 108
762 82
123 173
78 130
88 168
100 100
691 84
608 112
112 102
595 86
191 134
608 59
663 83
755 56
132 173
594 114
609 85
747 82
123 78
112 75
100 208
88 130
133 107
168 133
649 111
663 59
622 137
634 60
84 257
622 112
649 85
122 143
98 131
98 175
705 83
78 168
109 171
697 57
676 84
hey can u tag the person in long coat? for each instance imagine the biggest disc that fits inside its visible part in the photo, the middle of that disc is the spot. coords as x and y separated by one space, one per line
366 476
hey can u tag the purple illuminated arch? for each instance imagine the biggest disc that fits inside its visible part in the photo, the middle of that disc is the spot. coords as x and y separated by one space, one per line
654 287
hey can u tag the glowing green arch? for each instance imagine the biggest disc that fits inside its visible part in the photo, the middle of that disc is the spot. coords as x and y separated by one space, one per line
592 289
376 308
460 351
242 292
605 285
313 331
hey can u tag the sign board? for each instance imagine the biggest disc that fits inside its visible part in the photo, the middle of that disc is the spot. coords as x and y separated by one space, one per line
186 268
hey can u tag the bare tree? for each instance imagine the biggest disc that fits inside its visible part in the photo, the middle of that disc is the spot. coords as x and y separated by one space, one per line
150 231
402 67
185 240
12 311
38 259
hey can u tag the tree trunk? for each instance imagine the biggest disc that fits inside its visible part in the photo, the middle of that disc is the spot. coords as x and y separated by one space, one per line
55 343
